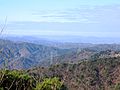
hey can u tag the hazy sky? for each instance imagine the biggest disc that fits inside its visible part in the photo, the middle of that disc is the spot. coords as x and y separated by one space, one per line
99 18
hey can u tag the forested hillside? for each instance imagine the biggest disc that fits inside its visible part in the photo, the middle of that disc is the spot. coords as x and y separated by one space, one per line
99 74
24 55
41 67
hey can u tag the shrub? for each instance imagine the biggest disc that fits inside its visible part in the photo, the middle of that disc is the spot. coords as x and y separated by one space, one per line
117 87
50 84
15 80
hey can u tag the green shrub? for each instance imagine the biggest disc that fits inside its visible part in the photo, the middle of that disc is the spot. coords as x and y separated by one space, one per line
117 87
1 88
50 84
15 80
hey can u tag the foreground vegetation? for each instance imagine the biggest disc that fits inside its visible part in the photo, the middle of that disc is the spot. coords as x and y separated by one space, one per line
96 74
19 80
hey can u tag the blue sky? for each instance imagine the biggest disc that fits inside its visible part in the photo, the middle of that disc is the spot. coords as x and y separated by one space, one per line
100 18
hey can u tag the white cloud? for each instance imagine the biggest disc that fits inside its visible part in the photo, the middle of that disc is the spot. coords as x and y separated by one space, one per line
91 14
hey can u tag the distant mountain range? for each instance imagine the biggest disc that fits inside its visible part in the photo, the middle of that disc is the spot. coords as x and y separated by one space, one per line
63 39
47 42
21 54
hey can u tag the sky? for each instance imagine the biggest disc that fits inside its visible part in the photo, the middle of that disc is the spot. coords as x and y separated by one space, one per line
97 18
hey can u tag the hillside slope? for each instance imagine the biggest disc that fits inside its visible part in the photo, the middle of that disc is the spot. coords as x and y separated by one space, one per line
26 55
99 74
23 55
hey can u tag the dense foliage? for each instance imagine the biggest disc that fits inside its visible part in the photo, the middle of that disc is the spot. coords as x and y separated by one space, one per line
50 84
99 74
19 80
15 80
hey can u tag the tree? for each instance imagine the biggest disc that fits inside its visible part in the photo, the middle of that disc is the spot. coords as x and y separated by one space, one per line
50 84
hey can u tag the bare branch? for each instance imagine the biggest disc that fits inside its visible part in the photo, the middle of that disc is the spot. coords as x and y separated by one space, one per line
2 29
